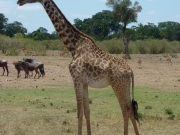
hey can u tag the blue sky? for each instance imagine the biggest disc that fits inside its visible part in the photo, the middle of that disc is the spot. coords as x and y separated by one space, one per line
33 16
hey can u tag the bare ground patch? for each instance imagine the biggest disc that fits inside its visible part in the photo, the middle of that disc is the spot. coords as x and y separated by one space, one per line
154 73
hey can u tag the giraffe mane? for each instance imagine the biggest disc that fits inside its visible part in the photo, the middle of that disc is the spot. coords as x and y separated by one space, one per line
83 34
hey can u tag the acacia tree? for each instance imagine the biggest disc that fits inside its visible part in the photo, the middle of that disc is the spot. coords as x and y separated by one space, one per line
125 13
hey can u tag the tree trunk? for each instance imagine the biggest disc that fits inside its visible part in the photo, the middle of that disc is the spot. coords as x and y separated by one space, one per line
126 46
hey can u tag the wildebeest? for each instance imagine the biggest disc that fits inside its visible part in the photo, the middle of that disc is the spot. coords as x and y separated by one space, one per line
22 65
41 65
3 64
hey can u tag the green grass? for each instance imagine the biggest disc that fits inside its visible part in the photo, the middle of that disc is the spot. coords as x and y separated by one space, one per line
29 111
152 102
158 100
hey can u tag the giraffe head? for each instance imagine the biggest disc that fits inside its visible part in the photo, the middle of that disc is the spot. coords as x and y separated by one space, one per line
22 2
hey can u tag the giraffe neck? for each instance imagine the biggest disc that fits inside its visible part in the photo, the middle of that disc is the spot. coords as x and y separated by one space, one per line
66 31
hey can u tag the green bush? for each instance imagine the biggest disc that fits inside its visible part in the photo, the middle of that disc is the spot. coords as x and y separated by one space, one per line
168 111
171 117
13 46
148 107
112 46
13 52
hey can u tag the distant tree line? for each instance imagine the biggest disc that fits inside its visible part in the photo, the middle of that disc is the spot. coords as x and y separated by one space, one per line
17 30
101 26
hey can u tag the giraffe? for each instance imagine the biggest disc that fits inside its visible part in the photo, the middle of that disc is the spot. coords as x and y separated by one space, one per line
90 66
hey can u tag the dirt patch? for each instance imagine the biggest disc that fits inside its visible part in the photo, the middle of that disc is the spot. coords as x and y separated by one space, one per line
155 72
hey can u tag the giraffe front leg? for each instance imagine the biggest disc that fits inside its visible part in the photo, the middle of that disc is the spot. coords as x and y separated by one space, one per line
78 86
86 108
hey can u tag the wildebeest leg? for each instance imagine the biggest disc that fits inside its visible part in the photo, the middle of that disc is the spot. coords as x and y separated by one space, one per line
26 73
18 73
37 72
6 66
42 73
3 71
31 73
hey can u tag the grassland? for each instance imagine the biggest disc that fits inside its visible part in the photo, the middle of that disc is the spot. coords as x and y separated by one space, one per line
47 106
47 112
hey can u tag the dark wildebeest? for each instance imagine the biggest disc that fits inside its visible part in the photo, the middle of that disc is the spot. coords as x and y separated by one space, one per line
3 64
41 65
22 65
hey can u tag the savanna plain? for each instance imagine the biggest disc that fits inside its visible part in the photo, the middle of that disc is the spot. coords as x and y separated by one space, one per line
47 106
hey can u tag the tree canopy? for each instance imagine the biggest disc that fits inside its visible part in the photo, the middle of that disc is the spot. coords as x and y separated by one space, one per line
101 27
12 29
124 12
3 23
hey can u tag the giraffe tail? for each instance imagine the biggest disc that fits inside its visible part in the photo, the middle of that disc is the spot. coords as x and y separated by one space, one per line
134 103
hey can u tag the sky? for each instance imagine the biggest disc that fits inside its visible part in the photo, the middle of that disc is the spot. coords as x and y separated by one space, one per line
33 16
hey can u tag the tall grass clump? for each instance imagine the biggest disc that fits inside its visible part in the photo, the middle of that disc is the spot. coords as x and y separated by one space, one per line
13 46
113 46
9 46
138 47
147 46
170 112
154 46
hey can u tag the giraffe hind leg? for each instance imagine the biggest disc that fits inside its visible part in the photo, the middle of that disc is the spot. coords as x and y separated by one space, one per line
128 112
123 96
134 125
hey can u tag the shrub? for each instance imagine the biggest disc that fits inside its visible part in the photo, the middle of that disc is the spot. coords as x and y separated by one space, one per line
90 101
171 117
140 116
65 122
168 111
148 107
113 46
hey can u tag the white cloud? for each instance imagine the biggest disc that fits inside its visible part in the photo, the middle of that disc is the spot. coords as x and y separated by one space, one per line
151 12
29 8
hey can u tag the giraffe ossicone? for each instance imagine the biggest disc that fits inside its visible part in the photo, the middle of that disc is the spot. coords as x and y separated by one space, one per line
90 66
